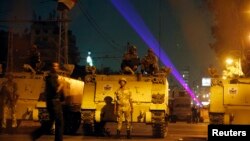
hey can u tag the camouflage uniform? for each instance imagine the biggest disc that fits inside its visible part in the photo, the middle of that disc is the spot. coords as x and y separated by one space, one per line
150 63
124 106
130 61
10 97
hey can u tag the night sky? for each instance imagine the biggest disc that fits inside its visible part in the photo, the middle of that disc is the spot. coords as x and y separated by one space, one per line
181 26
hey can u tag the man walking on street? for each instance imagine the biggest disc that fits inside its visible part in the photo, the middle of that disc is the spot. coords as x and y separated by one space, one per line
54 93
123 106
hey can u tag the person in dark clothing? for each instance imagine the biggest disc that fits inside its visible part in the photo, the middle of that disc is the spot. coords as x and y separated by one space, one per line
53 93
130 61
194 114
35 59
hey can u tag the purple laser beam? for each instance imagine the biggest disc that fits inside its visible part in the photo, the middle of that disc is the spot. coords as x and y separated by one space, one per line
136 22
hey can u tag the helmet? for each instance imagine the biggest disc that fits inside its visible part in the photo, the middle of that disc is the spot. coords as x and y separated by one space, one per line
55 64
132 48
123 79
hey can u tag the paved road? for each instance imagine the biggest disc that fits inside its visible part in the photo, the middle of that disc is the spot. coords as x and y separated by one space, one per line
141 132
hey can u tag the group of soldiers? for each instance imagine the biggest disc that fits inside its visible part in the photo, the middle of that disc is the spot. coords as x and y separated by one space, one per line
132 64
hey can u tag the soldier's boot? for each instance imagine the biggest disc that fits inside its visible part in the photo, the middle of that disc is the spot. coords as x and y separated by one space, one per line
14 124
128 134
14 121
4 124
118 132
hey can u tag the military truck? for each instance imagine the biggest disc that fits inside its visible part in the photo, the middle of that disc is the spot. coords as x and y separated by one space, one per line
149 96
180 104
31 104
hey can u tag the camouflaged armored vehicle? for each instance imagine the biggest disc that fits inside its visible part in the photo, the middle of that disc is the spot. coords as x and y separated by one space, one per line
149 96
31 102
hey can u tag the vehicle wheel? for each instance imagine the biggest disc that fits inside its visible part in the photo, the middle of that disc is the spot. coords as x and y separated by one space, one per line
159 124
216 118
88 126
88 129
159 130
72 122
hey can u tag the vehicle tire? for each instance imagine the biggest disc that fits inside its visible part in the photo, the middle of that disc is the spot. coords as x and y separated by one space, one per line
72 122
159 130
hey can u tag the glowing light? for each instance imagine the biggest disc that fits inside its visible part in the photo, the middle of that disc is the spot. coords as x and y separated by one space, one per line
136 22
229 61
89 59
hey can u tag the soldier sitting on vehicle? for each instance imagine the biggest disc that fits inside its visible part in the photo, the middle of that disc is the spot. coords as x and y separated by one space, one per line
35 58
130 61
149 64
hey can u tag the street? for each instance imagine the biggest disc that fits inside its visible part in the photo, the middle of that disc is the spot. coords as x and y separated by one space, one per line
180 131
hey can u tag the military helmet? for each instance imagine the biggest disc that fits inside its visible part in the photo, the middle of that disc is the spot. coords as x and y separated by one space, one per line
55 64
132 47
123 79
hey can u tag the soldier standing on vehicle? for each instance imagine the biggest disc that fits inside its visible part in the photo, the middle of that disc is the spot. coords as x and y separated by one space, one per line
53 91
149 63
130 61
10 97
123 106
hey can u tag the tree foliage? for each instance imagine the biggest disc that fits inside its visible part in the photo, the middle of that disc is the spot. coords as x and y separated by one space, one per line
230 27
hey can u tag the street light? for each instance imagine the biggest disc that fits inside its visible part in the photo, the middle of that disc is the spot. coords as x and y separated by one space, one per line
233 68
229 61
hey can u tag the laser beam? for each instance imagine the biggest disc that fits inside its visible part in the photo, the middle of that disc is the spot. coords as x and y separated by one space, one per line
136 22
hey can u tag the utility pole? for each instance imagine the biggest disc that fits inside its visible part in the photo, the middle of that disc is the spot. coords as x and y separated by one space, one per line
10 51
63 9
63 37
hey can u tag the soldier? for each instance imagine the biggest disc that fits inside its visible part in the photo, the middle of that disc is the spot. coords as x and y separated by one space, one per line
35 58
194 114
130 61
149 63
10 97
123 106
54 93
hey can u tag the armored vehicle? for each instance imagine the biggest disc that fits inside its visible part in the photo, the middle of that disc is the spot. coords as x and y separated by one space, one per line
29 88
149 96
229 96
73 91
230 101
31 103
180 106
